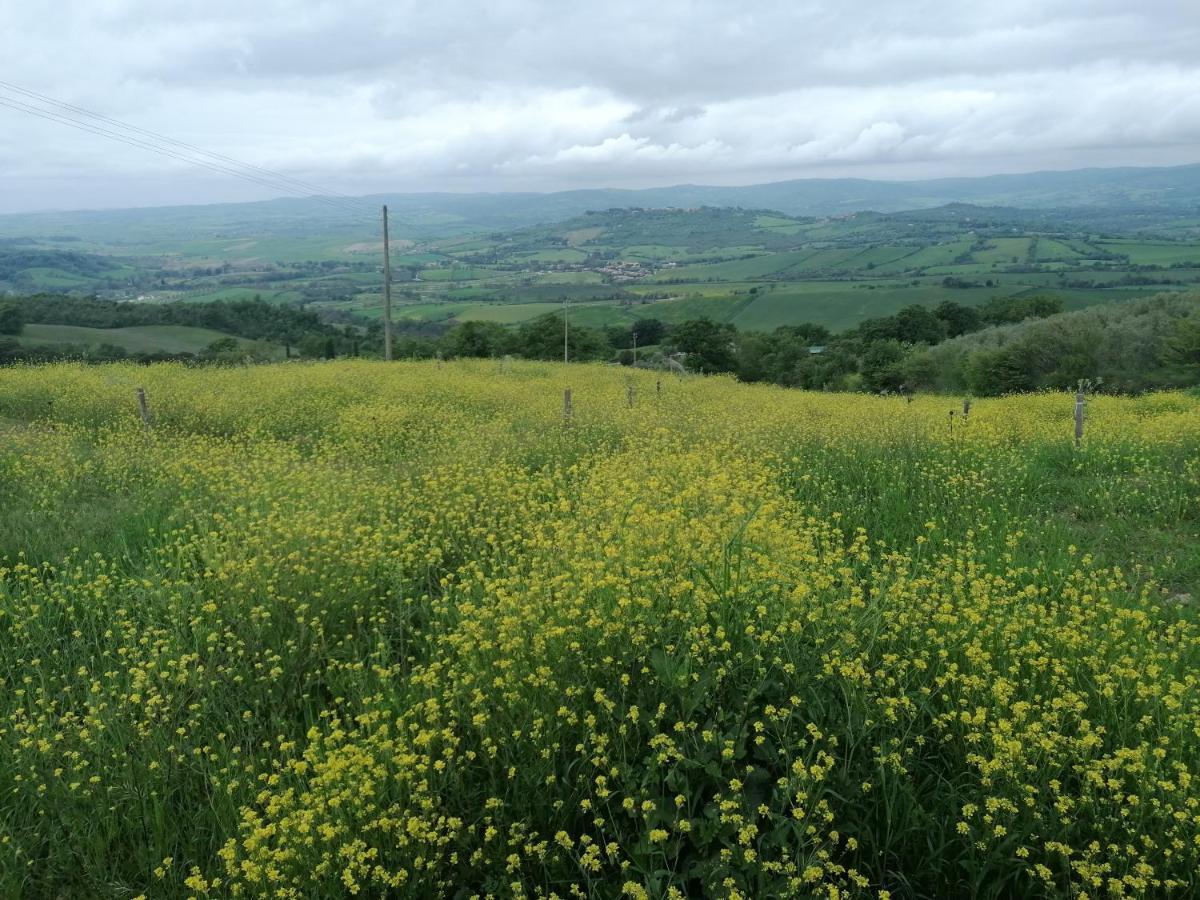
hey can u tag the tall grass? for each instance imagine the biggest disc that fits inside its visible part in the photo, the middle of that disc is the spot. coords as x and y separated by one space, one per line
400 630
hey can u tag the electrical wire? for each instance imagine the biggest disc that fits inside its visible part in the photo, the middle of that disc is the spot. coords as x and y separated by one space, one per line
165 146
156 136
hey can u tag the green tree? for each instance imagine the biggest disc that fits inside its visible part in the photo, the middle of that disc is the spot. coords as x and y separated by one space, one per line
222 345
542 338
312 346
990 373
11 319
618 337
708 344
881 366
957 318
1181 349
1003 310
919 325
919 371
756 356
480 339
9 350
809 334
649 331
912 325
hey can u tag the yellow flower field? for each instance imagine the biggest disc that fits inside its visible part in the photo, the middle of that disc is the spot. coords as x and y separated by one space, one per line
401 630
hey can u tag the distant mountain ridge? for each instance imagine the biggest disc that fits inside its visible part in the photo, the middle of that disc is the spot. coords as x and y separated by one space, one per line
1174 189
1152 192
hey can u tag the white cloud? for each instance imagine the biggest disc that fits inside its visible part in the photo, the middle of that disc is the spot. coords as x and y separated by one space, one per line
520 94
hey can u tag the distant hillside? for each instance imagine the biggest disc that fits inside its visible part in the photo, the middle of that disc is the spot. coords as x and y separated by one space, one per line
29 269
1123 345
1135 190
1138 197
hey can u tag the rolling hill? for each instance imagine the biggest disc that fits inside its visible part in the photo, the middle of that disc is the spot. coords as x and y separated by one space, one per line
831 252
1145 194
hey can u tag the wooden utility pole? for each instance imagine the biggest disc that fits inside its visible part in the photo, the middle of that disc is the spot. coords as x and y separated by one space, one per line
565 354
144 407
1080 404
634 346
387 291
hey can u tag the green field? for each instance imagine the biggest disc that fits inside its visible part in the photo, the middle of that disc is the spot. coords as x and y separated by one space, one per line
456 273
1003 250
243 293
1145 253
55 279
137 339
653 252
399 630
567 255
836 305
834 271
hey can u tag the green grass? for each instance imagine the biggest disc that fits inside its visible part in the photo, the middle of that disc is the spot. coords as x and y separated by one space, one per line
565 255
936 255
719 309
511 313
653 252
841 305
136 339
778 224
1149 253
837 305
428 312
874 257
379 629
1049 249
538 291
51 279
457 273
698 288
243 293
1003 250
834 271
569 278
735 270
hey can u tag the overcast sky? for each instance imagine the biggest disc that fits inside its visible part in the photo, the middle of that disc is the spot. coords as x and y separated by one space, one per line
525 95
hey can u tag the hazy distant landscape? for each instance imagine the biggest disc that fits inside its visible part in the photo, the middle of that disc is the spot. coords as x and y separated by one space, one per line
831 253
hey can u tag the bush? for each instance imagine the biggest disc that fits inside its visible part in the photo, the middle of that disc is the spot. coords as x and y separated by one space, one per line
11 319
1127 345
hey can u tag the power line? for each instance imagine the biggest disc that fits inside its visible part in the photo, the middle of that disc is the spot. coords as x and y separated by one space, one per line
156 136
55 117
233 167
267 180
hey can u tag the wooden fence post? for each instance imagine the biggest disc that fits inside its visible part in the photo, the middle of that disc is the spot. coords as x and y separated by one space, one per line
658 387
1080 404
568 410
143 407
629 394
966 407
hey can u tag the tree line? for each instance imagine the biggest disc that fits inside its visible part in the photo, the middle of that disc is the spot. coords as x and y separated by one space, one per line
298 332
1006 345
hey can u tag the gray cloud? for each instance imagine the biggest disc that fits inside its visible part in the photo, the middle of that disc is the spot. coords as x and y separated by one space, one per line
363 96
